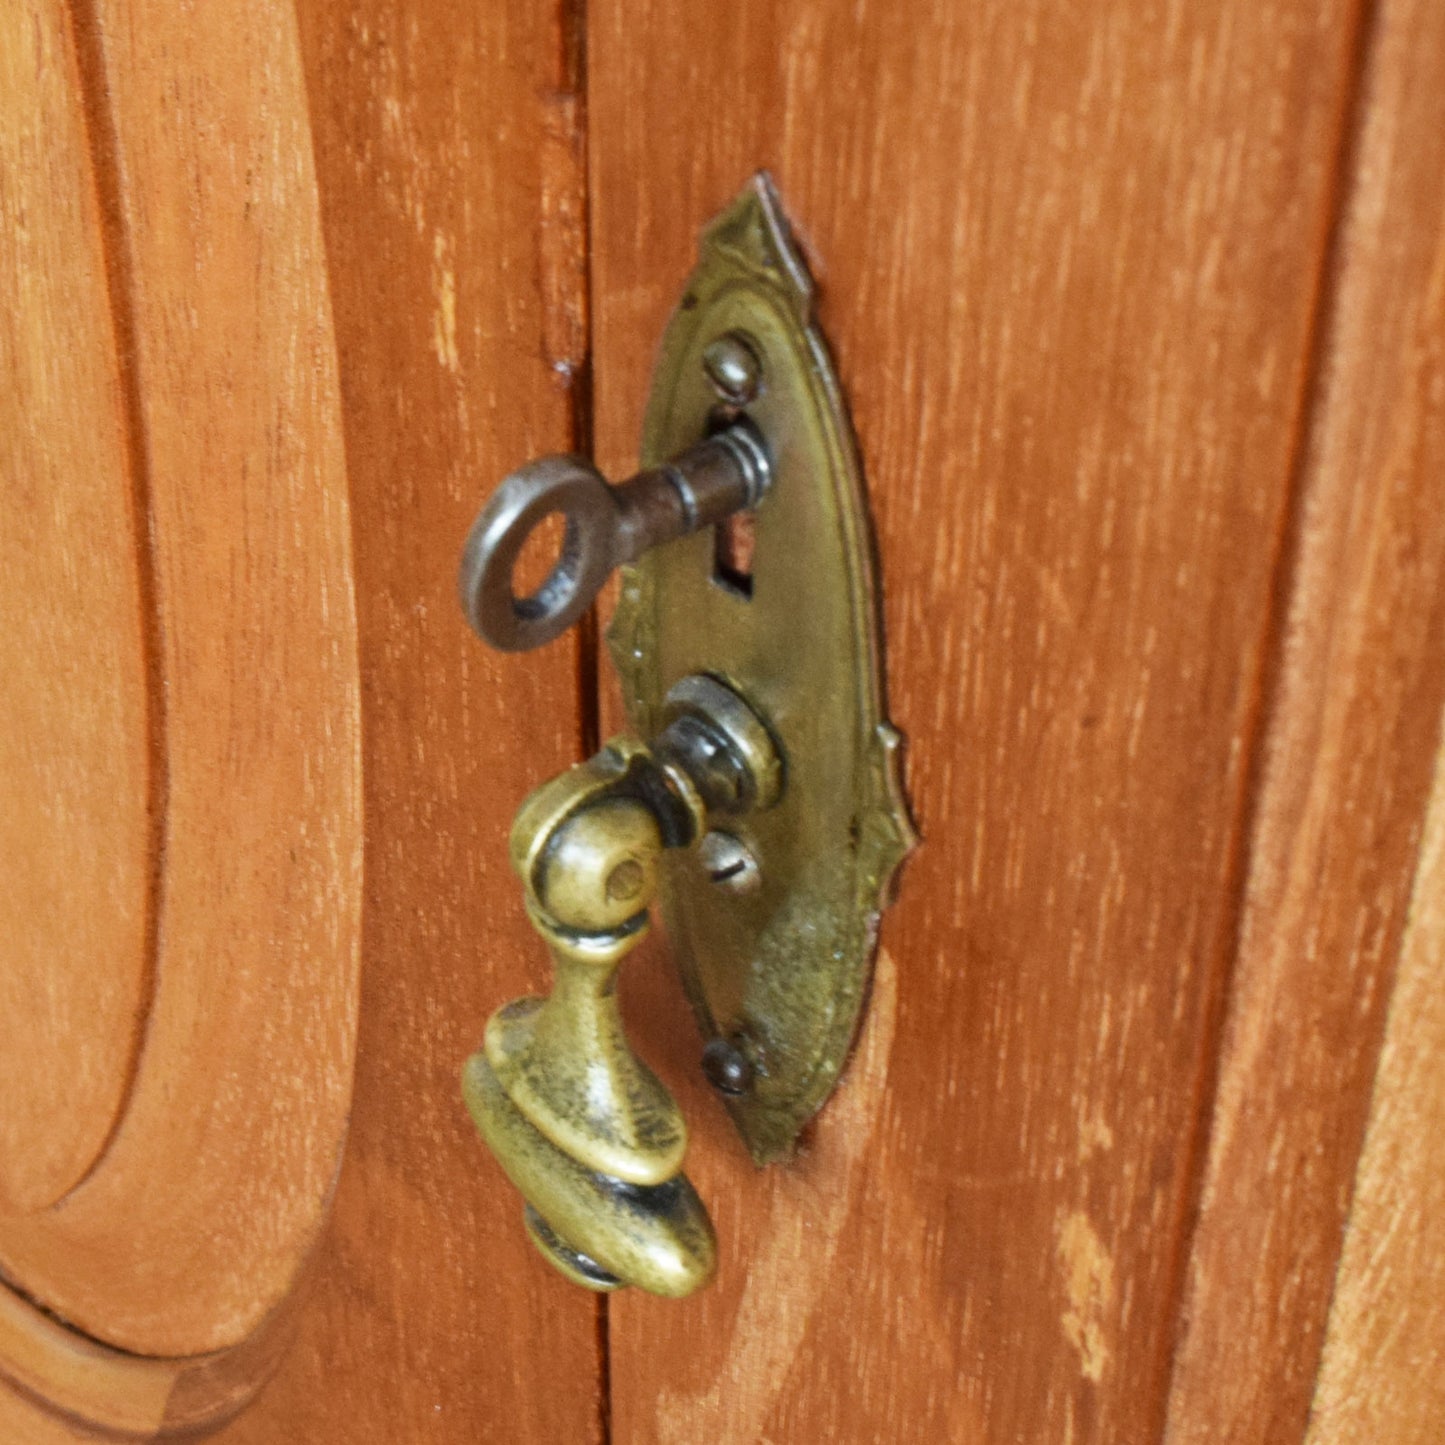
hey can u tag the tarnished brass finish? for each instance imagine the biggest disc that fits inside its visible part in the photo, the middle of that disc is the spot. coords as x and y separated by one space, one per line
766 807
580 1124
778 970
658 1239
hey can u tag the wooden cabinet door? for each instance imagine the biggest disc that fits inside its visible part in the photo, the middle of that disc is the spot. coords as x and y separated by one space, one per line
1140 309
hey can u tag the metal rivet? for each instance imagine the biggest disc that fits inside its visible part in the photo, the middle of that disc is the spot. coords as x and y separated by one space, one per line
733 368
727 1068
729 863
626 881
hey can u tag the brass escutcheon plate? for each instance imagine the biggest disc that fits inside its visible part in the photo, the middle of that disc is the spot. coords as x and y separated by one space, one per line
780 969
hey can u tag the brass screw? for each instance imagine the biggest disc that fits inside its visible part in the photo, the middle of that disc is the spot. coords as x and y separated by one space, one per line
733 368
729 862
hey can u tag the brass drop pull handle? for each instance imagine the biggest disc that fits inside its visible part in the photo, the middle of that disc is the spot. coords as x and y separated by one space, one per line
757 796
581 1125
606 527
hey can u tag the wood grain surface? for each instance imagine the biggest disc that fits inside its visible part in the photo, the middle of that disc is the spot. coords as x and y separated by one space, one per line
1070 265
75 754
61 1384
1350 749
1140 309
1382 1378
191 1226
442 134
23 1420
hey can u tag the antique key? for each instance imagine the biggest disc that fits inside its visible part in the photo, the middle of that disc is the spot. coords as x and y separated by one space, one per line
606 527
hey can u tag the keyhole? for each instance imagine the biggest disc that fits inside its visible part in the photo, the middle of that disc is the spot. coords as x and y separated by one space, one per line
733 541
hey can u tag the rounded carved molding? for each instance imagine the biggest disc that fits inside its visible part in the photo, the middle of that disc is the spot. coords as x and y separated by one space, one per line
182 734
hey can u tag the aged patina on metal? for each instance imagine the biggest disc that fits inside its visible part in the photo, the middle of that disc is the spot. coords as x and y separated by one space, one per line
779 972
767 812
580 1124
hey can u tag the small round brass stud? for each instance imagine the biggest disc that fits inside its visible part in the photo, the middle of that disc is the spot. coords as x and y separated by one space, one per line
626 881
733 368
727 1068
